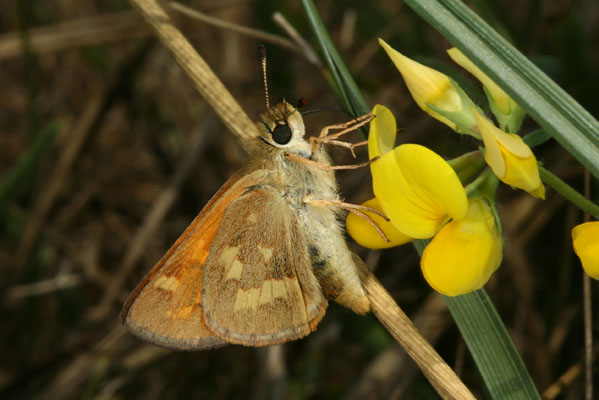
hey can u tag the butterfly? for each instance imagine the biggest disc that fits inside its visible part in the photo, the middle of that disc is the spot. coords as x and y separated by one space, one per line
259 263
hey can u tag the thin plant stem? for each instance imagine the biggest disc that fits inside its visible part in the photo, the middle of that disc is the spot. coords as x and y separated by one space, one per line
569 193
587 311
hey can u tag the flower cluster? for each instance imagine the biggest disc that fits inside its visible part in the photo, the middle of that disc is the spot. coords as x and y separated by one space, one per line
423 195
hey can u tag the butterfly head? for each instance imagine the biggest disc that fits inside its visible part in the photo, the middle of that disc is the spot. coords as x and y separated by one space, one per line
282 126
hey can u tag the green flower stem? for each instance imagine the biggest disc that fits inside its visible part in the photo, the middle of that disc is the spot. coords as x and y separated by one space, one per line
569 193
485 185
468 165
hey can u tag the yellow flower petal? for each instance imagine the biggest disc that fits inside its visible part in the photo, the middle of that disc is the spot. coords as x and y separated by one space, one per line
585 238
464 254
523 173
383 128
417 189
510 158
426 85
366 235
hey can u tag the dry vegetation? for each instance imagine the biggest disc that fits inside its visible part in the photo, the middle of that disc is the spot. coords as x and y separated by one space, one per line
107 153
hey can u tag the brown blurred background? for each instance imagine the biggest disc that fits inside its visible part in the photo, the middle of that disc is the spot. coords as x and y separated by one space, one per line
107 153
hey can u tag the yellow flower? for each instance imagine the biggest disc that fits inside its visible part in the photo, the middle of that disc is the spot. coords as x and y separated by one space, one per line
585 238
508 113
366 235
434 92
510 158
464 254
415 187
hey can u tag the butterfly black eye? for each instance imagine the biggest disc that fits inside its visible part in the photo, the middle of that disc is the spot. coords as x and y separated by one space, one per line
281 134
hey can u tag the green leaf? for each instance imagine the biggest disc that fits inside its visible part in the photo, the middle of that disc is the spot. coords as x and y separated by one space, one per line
556 111
492 348
536 138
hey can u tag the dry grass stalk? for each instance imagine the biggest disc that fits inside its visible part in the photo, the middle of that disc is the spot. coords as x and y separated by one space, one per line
243 30
204 79
67 35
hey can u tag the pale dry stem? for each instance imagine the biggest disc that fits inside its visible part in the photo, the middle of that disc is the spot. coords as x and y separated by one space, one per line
202 76
243 30
81 32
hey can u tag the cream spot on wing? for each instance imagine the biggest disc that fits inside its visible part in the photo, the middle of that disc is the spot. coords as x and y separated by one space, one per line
266 253
253 298
169 283
247 299
229 259
279 288
270 290
235 269
160 280
240 300
228 255
252 218
266 292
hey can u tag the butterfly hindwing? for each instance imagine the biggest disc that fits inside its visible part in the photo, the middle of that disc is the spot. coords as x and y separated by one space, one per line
166 307
258 286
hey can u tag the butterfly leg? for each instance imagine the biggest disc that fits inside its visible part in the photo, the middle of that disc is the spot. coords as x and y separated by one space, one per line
317 164
346 127
348 145
355 209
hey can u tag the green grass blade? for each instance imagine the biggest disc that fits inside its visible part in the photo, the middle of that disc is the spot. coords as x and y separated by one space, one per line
494 353
556 111
346 87
27 162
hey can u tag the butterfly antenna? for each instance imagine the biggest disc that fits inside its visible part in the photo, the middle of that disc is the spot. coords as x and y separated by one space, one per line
262 51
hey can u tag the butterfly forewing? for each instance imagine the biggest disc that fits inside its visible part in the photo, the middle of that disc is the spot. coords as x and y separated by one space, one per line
166 307
258 286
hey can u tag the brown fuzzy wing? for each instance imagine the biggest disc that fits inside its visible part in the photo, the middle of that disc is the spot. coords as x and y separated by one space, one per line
258 286
166 307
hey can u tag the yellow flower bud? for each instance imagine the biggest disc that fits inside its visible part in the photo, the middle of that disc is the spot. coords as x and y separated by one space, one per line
430 88
585 238
464 254
510 158
508 113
